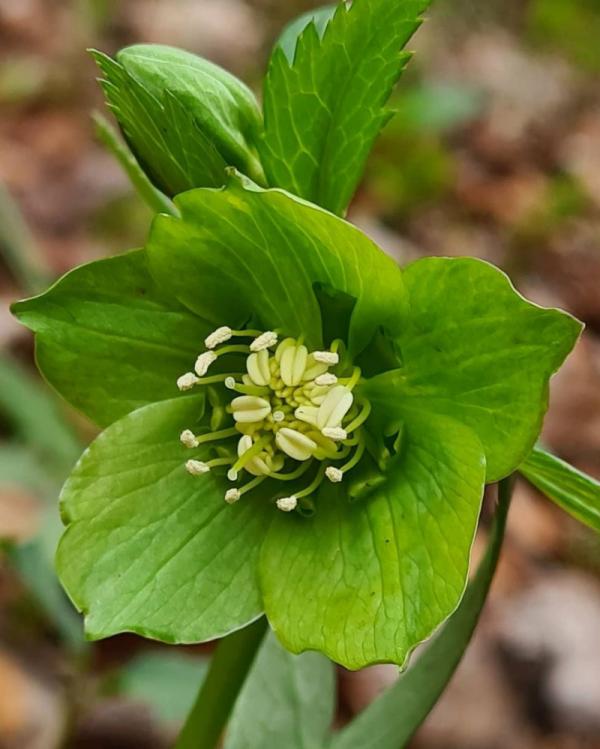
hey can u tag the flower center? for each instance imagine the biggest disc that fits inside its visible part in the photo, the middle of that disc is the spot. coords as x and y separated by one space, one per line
293 412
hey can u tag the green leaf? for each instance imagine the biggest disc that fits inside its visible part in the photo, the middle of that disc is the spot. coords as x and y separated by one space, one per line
153 198
324 110
477 351
391 721
366 582
165 681
109 340
245 251
572 490
287 701
151 549
289 36
184 118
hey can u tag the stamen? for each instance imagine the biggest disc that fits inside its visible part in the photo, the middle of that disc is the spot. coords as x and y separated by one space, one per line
295 444
219 336
283 346
308 414
231 384
334 474
313 368
314 484
204 361
326 379
287 504
336 405
258 367
327 357
351 382
232 496
355 459
264 341
323 453
361 418
292 475
216 379
187 381
249 408
293 364
188 438
222 434
337 434
197 467
248 456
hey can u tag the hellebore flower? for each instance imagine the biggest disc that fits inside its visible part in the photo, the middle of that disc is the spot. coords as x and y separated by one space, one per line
295 425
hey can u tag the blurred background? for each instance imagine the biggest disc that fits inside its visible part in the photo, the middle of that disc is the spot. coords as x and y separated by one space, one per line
495 153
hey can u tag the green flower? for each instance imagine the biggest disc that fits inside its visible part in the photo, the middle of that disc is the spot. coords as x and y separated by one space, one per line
321 456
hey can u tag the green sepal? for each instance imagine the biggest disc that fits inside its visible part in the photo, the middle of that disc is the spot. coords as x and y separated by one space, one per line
475 350
109 339
244 251
151 549
365 582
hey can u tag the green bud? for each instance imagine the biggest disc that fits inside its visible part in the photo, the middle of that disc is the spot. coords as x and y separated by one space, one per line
222 110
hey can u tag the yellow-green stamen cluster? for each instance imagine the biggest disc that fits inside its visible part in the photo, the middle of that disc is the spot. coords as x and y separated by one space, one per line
290 408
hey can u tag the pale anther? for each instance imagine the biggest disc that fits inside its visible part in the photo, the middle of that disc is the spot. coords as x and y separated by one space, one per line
278 416
264 341
295 444
336 405
293 364
250 408
187 381
230 383
258 367
334 474
308 414
326 379
197 467
220 335
326 357
256 465
232 496
203 362
188 438
287 504
337 434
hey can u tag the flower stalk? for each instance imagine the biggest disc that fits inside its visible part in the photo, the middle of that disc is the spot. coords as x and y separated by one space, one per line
228 670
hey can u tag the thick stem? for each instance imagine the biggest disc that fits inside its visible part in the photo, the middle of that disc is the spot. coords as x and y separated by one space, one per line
229 667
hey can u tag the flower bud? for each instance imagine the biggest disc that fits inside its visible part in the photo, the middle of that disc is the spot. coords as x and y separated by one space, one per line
181 90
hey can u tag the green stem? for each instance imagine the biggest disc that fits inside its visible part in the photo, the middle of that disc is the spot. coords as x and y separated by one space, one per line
228 670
